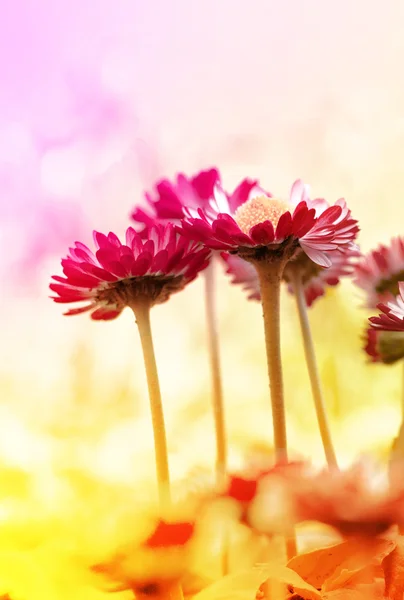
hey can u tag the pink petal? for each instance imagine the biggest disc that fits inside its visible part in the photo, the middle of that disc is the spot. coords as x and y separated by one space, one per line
160 261
204 183
142 264
105 314
284 227
320 258
263 233
78 311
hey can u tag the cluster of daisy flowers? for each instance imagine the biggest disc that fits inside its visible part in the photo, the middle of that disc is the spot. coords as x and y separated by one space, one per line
262 242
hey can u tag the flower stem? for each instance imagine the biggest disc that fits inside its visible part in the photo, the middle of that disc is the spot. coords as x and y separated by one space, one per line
217 390
402 391
141 308
311 362
270 274
176 592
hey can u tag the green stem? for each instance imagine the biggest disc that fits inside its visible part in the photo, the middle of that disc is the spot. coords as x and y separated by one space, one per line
311 362
270 281
141 308
217 390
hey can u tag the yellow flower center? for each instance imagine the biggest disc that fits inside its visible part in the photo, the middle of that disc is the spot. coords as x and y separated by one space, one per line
260 209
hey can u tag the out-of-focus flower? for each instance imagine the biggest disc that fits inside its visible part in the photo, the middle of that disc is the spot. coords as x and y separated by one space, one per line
118 273
168 535
156 564
392 315
355 502
262 499
171 198
384 346
262 224
315 278
243 273
379 272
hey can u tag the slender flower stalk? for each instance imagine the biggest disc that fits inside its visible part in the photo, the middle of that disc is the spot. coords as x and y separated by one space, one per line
138 274
402 391
298 289
170 201
176 592
270 275
141 308
217 389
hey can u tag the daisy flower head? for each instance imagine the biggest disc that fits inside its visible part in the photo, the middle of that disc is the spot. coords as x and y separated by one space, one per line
315 278
262 499
261 227
358 501
119 273
170 198
153 566
379 271
391 317
384 346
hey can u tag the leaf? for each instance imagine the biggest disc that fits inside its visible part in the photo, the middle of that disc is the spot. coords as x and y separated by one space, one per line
360 592
362 565
336 566
245 585
393 567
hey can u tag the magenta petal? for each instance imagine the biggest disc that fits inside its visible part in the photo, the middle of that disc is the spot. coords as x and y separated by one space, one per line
105 314
82 255
118 269
102 274
72 294
196 229
169 210
160 261
303 220
149 246
142 264
125 251
114 240
130 236
204 183
229 225
284 227
80 279
127 263
242 193
60 279
101 240
173 261
167 192
222 234
78 311
263 233
106 255
141 216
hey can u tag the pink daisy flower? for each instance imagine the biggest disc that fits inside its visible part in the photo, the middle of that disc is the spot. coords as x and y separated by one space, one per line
392 313
315 278
171 198
154 566
117 273
260 498
379 272
355 502
251 227
384 346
